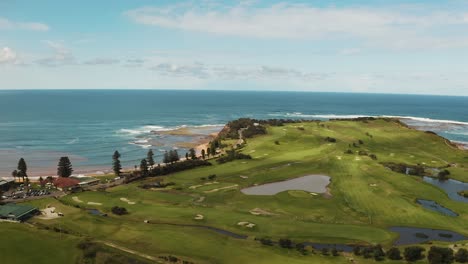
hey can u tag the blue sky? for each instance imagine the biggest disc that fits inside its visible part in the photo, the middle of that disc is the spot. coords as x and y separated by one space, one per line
416 47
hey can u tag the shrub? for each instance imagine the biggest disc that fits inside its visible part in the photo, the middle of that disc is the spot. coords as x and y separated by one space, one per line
266 241
233 155
394 254
325 251
330 139
212 177
178 166
462 255
443 175
335 252
277 142
119 210
285 243
373 156
349 152
440 255
413 253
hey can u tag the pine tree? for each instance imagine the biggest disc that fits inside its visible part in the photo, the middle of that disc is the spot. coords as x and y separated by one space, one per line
186 155
173 156
149 158
144 167
203 153
64 167
208 152
166 158
22 169
193 154
116 166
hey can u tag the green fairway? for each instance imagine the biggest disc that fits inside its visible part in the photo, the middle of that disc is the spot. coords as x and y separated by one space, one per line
366 198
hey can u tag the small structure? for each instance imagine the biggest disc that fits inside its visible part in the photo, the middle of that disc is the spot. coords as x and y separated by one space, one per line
66 184
17 212
86 181
5 184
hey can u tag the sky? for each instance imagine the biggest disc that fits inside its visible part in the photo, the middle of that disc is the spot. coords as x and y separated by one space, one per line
416 47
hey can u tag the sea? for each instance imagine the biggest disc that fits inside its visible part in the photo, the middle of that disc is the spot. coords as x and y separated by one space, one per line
89 125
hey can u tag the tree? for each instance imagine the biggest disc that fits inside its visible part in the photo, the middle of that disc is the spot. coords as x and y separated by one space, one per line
379 254
394 254
166 158
14 174
116 166
192 153
149 158
413 253
440 255
186 155
22 169
443 175
173 156
64 167
41 181
213 148
335 252
462 255
203 153
208 152
144 168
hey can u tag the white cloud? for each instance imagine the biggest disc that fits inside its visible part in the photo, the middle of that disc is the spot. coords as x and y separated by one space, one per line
61 55
7 55
102 61
396 27
197 70
7 24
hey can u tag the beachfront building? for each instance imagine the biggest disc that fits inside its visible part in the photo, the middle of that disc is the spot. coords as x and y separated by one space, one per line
66 184
17 212
86 181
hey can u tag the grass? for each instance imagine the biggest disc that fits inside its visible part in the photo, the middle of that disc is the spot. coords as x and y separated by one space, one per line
366 197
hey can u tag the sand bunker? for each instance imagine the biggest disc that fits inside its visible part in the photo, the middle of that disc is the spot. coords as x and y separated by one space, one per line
200 185
246 224
309 183
373 185
259 211
200 199
222 188
76 199
338 157
49 213
93 203
125 200
199 217
244 177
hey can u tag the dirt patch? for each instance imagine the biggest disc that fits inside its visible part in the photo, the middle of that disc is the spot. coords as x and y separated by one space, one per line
246 224
222 188
49 213
259 211
199 217
76 199
125 200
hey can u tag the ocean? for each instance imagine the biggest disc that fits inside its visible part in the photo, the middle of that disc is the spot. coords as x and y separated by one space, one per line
89 125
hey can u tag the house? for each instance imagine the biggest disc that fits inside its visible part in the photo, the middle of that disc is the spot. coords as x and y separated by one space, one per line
17 212
66 184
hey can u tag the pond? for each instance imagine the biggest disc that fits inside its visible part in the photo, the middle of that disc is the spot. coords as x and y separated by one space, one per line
414 235
451 187
434 206
96 212
309 183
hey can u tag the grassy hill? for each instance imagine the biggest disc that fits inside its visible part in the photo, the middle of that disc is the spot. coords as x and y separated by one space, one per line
366 197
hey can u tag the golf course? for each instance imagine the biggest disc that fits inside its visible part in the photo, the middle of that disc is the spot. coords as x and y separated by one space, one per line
314 183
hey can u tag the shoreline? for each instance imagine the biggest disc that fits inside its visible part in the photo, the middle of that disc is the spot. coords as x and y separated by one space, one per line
104 171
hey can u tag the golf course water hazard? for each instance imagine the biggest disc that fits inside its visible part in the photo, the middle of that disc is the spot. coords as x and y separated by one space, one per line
96 212
309 183
432 205
451 187
413 235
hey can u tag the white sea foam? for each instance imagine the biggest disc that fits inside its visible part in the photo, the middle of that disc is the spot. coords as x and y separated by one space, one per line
334 116
149 128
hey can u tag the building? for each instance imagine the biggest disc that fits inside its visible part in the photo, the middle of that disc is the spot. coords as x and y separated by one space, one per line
17 212
6 184
66 184
86 181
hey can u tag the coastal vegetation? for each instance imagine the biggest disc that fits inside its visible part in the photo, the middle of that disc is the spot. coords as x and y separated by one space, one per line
64 167
202 218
